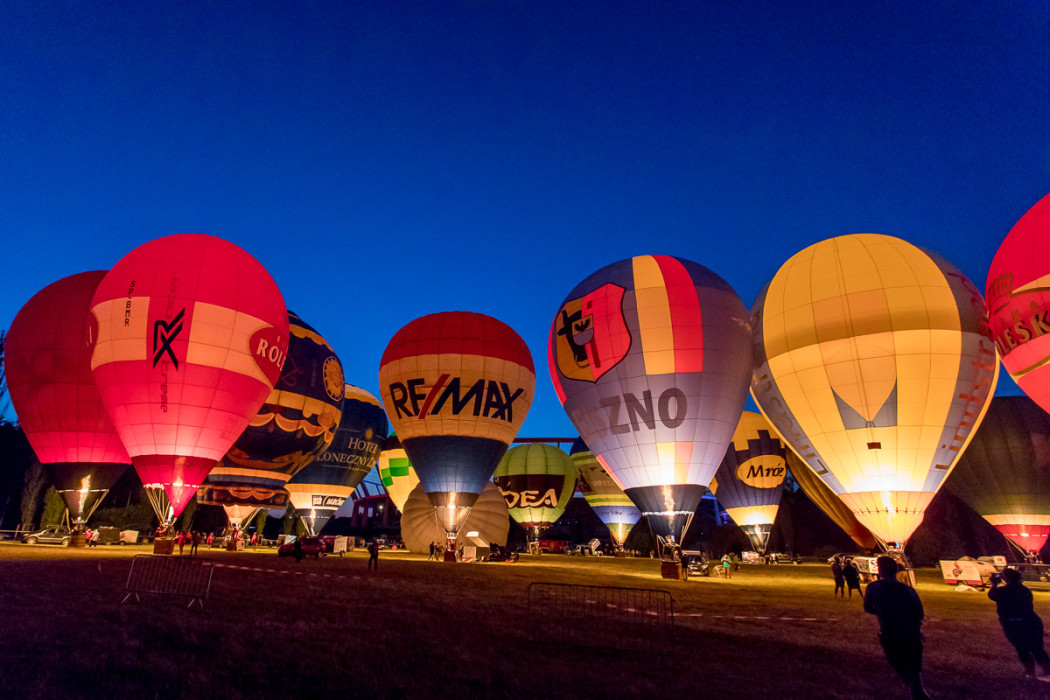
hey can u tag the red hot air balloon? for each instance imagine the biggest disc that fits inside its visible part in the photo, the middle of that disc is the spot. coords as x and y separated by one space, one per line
1018 294
48 367
190 336
456 387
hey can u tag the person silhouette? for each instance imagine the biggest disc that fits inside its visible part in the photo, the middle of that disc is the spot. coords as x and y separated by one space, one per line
840 581
900 614
1022 627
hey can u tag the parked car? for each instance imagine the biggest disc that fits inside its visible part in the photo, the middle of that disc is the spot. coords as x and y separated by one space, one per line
49 535
695 562
312 547
1035 576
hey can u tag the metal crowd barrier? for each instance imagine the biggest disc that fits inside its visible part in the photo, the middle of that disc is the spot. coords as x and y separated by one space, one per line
187 577
602 617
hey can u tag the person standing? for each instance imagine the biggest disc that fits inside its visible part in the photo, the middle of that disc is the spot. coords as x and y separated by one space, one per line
95 537
900 616
432 548
851 573
195 540
182 541
373 555
297 547
726 564
1022 627
840 580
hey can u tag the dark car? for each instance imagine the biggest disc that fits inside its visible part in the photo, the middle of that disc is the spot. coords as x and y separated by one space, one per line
695 562
1035 576
312 547
49 535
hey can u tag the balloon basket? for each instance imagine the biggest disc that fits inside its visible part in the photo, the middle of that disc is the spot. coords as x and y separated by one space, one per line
450 555
77 540
164 545
673 570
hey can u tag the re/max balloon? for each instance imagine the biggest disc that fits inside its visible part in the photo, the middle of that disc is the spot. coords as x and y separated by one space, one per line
1018 293
651 359
457 387
47 361
190 334
872 361
1004 474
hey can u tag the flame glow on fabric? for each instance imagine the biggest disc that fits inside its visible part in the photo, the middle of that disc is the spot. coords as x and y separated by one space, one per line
751 478
48 369
1018 294
488 517
457 387
651 358
873 363
396 471
324 484
190 334
537 480
832 506
603 494
1004 474
296 423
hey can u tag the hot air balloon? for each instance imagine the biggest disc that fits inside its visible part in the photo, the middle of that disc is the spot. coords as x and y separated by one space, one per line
1018 293
832 506
604 495
190 336
751 478
457 386
1004 474
537 480
873 363
488 517
651 359
48 368
297 423
321 487
395 469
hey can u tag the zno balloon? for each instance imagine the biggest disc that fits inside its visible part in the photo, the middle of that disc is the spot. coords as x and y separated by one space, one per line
651 360
189 335
873 362
48 368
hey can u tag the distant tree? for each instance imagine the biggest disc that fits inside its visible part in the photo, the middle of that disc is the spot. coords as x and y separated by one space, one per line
288 521
32 491
137 516
260 521
4 400
54 508
185 521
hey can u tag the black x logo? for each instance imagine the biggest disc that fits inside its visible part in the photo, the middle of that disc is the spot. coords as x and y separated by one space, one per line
165 334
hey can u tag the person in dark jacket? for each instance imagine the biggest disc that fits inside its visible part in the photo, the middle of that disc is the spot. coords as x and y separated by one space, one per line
373 555
840 581
1022 627
900 616
852 576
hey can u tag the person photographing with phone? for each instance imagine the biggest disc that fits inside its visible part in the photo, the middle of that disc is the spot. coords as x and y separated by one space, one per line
1022 627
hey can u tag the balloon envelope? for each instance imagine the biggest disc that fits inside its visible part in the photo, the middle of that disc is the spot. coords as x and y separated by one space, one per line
321 487
832 506
47 363
396 471
537 480
650 358
420 526
603 494
190 334
751 478
296 423
457 386
1004 474
871 361
1018 293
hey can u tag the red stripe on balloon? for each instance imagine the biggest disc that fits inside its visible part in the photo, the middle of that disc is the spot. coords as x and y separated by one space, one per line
686 323
430 397
458 333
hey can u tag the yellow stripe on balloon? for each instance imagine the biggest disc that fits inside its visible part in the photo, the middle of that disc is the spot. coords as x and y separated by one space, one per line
753 515
1018 519
654 316
117 342
220 338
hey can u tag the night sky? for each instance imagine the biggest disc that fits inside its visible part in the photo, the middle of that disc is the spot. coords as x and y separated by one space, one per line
385 160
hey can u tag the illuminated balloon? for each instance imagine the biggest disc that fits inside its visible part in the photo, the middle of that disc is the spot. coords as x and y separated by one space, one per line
48 368
537 480
321 487
1004 474
750 479
296 424
603 494
240 515
1018 293
873 363
395 469
832 506
488 517
651 358
190 336
457 387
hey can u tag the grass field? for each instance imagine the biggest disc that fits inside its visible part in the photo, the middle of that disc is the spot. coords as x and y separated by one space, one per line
419 629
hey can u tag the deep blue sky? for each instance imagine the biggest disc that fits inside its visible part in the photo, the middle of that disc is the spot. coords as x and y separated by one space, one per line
386 160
